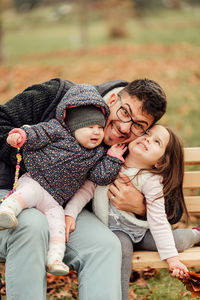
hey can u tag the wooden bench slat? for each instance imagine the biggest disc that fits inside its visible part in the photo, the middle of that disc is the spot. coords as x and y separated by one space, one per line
192 203
191 180
144 259
192 155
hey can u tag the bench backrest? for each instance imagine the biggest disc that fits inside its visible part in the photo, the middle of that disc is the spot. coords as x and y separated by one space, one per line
191 182
190 257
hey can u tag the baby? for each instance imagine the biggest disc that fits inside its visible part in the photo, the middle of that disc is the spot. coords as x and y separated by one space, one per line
59 156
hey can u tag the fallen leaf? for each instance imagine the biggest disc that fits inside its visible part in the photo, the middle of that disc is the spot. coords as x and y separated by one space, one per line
192 283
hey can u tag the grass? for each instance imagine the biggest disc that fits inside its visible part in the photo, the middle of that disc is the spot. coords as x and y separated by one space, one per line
160 287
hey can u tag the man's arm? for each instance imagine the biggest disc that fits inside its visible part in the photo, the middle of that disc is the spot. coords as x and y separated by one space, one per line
126 197
28 107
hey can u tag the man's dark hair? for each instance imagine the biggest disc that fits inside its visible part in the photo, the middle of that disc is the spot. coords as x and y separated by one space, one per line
151 94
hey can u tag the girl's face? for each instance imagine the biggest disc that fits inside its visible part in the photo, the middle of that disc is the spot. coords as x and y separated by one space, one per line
90 137
145 151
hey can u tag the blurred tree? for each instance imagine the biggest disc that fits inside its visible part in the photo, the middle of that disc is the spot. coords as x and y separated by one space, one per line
174 3
25 5
145 5
83 6
118 14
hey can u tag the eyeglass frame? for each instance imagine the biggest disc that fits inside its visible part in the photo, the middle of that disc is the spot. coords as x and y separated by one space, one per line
131 119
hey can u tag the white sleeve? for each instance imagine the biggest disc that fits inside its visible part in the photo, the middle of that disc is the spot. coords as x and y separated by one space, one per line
157 219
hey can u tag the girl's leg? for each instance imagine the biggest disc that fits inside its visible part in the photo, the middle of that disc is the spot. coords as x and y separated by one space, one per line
126 268
184 238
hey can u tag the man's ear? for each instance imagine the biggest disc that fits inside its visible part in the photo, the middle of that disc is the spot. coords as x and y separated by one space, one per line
112 99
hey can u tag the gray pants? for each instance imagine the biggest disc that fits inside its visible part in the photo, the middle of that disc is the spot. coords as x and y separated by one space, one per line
184 238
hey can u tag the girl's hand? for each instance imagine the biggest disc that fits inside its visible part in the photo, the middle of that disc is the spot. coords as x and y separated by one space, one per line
119 149
176 267
70 224
14 139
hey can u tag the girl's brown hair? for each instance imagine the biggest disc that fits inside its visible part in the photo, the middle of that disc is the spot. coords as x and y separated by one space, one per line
171 167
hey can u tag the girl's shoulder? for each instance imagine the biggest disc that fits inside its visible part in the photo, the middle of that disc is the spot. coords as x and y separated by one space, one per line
137 177
142 178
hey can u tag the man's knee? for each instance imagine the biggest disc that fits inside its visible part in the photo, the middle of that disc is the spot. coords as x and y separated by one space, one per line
112 243
33 222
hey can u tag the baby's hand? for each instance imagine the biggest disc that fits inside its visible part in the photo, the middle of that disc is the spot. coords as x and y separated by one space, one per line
70 224
119 149
14 139
176 267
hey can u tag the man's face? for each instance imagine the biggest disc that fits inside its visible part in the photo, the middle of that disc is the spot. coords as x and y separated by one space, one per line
116 131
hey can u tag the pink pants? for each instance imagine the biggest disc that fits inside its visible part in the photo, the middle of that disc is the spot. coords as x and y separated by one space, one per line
31 194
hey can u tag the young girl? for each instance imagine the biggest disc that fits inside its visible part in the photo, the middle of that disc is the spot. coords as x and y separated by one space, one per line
155 165
59 156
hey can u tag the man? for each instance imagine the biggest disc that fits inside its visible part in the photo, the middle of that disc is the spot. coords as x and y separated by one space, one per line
93 250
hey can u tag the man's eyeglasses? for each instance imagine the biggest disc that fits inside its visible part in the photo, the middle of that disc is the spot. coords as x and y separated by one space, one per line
124 116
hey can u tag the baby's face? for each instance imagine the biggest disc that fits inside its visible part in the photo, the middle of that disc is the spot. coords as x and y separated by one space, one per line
90 137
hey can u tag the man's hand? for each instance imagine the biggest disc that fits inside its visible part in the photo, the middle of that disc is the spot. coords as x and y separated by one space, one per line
14 139
124 196
70 224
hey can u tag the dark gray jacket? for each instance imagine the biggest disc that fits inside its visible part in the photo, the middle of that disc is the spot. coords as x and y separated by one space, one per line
56 160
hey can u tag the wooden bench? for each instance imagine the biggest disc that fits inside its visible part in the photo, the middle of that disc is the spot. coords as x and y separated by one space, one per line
190 257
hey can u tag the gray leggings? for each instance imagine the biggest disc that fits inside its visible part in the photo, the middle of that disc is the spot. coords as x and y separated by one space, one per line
184 238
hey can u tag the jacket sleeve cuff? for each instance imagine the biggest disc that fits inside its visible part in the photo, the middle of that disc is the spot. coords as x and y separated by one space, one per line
22 134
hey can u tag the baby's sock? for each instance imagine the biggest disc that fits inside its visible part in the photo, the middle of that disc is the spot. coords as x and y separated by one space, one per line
55 256
56 252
